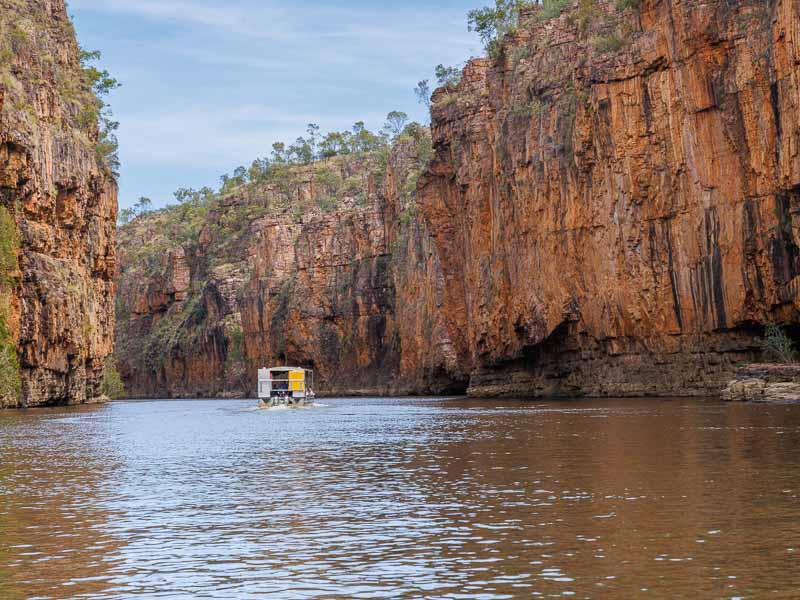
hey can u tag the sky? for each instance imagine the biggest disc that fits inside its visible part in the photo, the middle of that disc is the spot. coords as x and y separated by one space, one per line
208 86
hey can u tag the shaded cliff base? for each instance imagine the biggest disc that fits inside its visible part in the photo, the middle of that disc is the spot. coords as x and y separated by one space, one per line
570 365
437 384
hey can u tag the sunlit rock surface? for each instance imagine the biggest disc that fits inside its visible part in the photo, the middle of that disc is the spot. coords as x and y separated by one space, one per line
64 203
620 221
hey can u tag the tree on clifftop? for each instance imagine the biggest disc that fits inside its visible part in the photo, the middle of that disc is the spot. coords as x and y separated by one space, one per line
142 206
423 93
491 24
395 123
97 113
448 77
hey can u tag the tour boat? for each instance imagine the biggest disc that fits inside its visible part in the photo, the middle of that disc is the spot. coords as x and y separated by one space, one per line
285 386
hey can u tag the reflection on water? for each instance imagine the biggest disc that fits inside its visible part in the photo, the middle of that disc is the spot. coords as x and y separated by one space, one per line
55 538
401 498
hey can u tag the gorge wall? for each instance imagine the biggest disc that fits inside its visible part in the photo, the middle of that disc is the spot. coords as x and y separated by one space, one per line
299 269
615 197
609 210
58 207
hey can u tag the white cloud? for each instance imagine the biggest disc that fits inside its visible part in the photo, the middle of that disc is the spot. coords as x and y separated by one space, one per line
186 12
202 136
207 83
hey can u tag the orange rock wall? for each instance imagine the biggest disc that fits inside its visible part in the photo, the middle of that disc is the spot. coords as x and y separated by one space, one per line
65 206
620 222
307 287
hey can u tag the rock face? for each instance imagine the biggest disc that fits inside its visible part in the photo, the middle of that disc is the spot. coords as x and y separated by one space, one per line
764 383
613 200
610 210
59 304
277 274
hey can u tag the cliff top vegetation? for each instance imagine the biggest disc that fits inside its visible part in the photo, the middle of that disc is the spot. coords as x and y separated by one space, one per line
316 174
494 23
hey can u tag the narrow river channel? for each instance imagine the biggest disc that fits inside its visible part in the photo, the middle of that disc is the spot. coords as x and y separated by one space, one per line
401 498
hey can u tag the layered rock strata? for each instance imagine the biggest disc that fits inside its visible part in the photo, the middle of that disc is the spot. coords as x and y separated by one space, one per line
58 304
764 383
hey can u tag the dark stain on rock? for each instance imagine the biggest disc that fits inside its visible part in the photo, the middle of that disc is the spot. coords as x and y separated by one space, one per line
714 275
784 251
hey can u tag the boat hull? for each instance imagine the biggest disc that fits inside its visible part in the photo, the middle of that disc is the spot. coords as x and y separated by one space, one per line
286 401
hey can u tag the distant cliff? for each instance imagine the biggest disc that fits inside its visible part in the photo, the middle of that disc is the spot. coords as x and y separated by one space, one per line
296 267
609 210
57 214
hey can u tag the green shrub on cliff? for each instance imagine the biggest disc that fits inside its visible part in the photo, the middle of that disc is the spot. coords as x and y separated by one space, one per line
95 113
586 13
530 109
328 179
9 365
407 216
327 204
112 385
551 9
9 246
608 43
236 355
448 77
107 146
777 345
421 137
418 139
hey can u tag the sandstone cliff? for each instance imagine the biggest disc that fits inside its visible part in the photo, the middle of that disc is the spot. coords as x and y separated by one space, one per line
613 199
299 269
609 210
57 297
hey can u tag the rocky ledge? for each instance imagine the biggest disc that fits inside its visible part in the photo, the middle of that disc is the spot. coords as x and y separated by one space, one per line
764 383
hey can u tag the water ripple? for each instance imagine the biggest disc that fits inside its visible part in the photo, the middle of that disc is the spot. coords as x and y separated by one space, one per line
399 498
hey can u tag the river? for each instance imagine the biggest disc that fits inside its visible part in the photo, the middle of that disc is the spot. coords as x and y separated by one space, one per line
401 498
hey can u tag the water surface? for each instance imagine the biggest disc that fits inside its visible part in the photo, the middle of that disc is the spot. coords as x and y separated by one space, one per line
380 498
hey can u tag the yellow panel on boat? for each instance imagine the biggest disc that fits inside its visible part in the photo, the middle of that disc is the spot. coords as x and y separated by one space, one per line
297 381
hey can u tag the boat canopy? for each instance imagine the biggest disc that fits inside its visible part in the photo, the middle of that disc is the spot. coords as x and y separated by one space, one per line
294 382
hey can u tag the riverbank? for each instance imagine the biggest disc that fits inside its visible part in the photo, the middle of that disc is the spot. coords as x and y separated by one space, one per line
764 383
